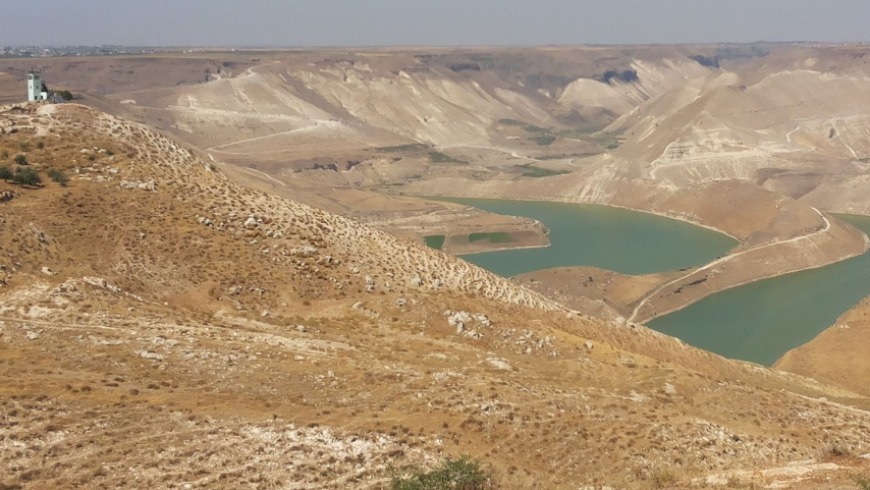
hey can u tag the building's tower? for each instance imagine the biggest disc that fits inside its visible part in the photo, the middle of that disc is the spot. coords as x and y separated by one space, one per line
35 87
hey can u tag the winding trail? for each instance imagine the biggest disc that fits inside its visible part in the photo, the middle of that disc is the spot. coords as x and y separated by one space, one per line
727 258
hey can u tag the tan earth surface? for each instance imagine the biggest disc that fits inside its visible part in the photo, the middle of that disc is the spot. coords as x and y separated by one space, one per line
176 316
163 326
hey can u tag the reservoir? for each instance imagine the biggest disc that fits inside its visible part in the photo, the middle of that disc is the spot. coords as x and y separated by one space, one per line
756 322
621 240
761 321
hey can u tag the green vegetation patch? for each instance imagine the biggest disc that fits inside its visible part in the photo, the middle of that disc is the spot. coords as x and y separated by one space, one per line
434 241
438 157
543 139
26 176
530 170
411 147
531 128
576 133
58 176
610 144
491 237
511 122
454 474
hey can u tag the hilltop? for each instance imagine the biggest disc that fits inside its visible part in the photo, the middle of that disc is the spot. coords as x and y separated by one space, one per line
162 325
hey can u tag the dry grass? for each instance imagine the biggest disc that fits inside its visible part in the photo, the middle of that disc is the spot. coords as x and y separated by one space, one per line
161 326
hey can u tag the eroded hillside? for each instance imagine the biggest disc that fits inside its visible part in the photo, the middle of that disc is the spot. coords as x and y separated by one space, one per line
163 326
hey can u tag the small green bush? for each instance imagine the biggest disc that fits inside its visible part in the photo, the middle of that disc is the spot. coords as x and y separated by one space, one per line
4 155
26 176
438 157
20 159
24 145
5 172
454 474
544 139
863 482
511 122
537 172
610 144
58 176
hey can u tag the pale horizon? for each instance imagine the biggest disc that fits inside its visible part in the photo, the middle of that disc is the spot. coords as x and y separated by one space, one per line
447 23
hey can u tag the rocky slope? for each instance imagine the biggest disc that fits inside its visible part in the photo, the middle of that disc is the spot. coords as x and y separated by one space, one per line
163 326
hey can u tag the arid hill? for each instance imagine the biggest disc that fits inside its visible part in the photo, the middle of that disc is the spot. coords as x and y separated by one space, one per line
777 132
163 326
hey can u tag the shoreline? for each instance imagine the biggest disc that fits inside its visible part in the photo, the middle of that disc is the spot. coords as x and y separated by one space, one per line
734 251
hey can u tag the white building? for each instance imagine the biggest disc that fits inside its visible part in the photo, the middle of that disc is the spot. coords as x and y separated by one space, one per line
36 89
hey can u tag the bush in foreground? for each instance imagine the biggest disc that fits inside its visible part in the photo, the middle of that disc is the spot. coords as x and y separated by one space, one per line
26 176
58 176
454 474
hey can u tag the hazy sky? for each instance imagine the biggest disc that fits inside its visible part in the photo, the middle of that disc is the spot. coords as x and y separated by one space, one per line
428 22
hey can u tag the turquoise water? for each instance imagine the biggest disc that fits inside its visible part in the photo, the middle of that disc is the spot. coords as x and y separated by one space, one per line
761 321
757 322
629 242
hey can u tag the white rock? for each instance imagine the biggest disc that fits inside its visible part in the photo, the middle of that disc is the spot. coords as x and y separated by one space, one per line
32 335
150 355
499 363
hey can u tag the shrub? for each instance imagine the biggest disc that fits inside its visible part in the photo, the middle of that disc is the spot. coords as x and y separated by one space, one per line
58 176
64 94
24 145
438 157
20 159
544 139
455 474
26 176
530 170
863 482
4 155
5 172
